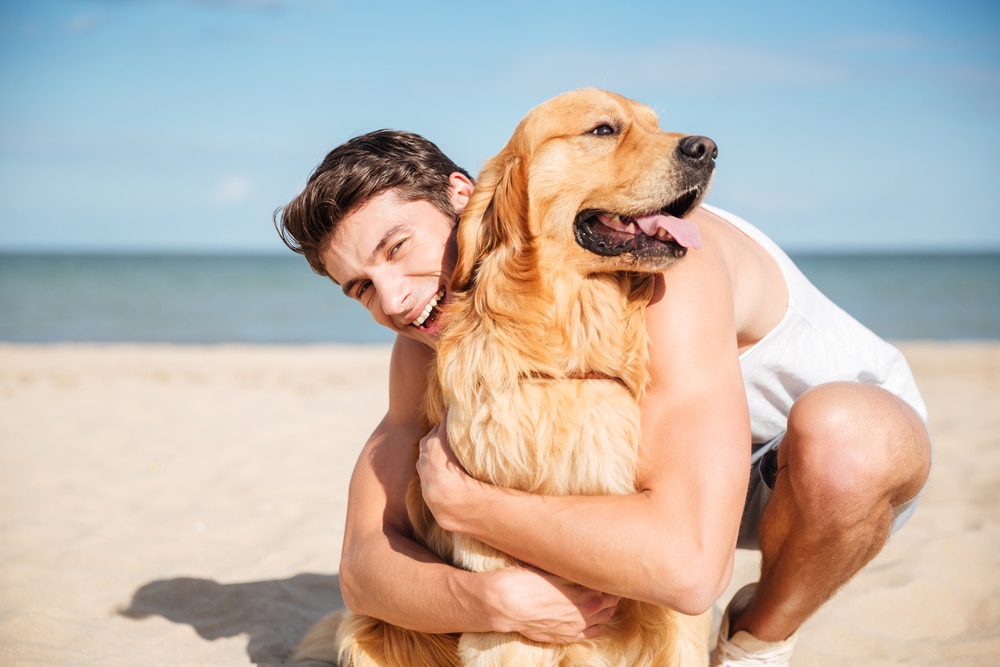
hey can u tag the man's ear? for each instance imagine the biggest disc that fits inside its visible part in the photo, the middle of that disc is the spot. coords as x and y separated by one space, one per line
493 234
459 190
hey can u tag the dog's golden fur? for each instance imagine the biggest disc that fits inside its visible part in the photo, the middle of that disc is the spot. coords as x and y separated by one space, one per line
542 364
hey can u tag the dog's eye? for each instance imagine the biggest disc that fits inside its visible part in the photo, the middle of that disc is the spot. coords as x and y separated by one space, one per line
604 130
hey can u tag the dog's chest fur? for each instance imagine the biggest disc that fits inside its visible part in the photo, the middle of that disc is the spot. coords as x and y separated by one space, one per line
543 395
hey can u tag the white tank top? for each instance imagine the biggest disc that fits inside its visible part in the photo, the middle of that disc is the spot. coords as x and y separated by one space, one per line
815 342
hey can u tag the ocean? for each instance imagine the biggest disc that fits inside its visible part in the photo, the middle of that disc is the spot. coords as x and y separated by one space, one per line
49 298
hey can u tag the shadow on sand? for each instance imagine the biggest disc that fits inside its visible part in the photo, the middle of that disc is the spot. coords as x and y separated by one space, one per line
273 614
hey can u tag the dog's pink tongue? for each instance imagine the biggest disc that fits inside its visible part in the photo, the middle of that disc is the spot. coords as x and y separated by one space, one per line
684 231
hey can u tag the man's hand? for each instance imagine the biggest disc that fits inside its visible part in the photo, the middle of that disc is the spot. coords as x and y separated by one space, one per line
443 481
547 608
539 605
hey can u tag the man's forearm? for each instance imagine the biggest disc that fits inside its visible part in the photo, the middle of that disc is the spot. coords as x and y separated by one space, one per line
404 584
603 542
407 586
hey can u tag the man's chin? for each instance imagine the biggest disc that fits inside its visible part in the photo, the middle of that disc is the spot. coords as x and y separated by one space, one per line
426 336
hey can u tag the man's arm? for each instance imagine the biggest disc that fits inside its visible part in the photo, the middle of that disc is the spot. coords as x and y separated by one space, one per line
384 573
671 543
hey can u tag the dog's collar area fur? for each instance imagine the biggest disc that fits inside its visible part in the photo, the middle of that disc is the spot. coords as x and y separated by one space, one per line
576 375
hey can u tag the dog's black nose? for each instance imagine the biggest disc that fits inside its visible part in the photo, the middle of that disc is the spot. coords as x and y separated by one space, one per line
699 149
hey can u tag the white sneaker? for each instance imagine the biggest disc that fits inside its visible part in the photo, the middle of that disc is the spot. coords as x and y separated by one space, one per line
745 650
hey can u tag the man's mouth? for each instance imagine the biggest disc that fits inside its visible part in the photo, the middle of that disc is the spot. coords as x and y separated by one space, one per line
429 314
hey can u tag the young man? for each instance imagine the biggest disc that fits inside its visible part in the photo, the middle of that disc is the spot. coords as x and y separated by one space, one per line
745 356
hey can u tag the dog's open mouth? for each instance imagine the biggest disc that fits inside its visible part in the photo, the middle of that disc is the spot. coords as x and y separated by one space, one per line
662 233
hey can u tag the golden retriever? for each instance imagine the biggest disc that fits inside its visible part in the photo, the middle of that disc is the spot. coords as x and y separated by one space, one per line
544 357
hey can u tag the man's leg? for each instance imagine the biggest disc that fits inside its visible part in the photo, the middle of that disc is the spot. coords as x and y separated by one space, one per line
851 454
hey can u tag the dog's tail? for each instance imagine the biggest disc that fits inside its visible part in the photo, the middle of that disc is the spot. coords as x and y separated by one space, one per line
350 640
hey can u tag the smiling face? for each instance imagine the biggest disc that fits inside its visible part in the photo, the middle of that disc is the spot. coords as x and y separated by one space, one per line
396 258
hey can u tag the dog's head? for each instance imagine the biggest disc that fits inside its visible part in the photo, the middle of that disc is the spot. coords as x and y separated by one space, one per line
589 181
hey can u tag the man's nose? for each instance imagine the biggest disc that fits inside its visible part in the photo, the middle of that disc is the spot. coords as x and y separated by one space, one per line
395 294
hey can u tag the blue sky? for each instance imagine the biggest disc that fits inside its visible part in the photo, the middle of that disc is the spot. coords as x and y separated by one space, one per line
182 124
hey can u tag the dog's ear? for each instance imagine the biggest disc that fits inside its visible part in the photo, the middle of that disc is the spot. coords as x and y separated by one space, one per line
493 229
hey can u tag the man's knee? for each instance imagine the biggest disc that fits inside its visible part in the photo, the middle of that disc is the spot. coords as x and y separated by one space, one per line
850 445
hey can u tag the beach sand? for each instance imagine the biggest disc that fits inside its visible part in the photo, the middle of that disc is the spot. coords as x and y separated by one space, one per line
167 505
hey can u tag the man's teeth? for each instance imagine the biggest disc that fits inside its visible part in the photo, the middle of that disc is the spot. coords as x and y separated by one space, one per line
427 311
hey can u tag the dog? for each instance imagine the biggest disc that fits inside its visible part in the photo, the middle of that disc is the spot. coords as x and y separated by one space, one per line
543 359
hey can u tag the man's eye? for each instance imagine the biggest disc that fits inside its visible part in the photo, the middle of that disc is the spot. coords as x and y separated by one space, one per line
362 288
604 130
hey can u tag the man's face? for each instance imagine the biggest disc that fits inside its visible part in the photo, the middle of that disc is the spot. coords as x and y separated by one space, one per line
396 258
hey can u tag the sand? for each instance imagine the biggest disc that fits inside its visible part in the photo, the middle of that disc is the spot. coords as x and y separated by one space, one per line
165 505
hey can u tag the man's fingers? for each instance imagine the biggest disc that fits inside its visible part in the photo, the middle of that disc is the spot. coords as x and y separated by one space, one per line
606 611
603 601
603 617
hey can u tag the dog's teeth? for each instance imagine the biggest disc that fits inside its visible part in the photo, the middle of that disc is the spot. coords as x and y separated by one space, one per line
661 233
631 228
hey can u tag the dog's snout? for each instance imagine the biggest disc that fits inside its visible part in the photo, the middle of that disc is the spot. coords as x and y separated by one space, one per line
698 149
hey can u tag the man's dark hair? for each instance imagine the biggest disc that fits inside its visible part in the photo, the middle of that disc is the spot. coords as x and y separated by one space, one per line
355 172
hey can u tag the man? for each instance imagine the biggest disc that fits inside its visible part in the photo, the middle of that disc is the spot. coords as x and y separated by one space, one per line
745 355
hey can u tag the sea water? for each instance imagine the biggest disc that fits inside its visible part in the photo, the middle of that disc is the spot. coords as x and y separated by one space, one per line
277 299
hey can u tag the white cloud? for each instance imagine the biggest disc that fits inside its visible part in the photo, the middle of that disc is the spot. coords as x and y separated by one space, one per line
252 4
873 42
684 66
233 189
83 23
